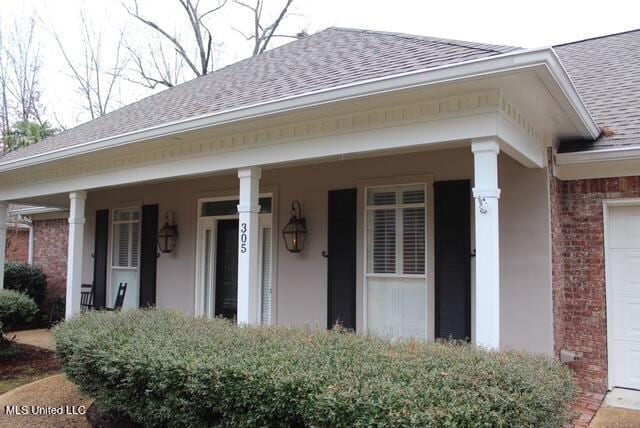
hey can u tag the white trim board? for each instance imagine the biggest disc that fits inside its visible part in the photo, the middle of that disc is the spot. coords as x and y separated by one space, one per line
381 131
613 162
544 61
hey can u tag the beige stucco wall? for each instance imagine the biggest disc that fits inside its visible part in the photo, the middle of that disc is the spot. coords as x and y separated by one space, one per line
300 288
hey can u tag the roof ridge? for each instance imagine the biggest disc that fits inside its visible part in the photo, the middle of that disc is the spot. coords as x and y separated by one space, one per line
604 36
451 42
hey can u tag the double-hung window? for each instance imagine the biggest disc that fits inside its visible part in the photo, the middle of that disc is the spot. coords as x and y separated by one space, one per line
396 282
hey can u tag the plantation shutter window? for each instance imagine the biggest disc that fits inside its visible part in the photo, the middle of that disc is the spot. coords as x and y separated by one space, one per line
266 271
126 254
396 254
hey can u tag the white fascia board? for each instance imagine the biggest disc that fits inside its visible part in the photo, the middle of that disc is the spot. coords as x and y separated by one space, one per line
483 67
603 163
36 210
601 155
566 95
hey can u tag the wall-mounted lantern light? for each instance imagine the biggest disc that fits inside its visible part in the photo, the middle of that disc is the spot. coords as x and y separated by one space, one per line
168 234
296 230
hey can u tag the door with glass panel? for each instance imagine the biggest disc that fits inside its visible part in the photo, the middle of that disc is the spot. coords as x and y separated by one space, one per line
396 282
217 267
125 256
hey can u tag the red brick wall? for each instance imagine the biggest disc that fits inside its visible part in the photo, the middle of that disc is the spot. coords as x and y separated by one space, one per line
578 271
50 253
17 246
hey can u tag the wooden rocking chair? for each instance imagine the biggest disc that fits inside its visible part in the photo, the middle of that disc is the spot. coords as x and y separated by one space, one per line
86 298
122 290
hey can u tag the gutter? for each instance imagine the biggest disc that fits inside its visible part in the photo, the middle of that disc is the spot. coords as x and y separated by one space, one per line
601 155
558 83
36 210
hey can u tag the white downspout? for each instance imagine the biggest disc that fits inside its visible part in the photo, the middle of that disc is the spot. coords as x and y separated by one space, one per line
31 240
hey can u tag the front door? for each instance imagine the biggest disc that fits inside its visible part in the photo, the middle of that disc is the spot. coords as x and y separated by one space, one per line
623 274
226 301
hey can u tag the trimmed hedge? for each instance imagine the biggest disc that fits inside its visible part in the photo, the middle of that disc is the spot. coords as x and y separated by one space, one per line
27 279
163 368
16 307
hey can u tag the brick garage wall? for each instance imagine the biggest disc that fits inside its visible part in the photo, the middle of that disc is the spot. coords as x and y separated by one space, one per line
50 253
17 246
579 273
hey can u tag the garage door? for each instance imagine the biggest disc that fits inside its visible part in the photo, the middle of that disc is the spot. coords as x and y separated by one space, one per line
623 274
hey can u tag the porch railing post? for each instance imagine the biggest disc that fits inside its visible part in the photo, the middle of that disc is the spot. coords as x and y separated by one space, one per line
75 255
4 213
248 212
487 194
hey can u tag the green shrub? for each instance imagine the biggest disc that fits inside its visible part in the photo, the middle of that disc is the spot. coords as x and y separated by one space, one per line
163 368
7 352
27 279
16 308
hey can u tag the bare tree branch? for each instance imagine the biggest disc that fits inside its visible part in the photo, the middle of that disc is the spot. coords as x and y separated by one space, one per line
22 72
264 33
95 82
201 33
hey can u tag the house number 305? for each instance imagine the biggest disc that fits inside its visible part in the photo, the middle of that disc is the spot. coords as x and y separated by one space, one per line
243 238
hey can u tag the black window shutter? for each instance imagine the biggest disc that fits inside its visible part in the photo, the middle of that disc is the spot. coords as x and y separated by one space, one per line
148 255
341 246
453 259
101 246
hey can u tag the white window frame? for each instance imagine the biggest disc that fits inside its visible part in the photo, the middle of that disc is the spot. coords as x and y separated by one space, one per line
109 296
204 222
425 180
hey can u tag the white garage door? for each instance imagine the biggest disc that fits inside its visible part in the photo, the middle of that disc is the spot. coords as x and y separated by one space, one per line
623 274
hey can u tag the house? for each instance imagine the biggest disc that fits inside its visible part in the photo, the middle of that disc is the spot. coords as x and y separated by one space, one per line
38 235
434 188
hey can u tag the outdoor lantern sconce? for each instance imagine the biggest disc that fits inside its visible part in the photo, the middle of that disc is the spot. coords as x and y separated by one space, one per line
168 234
296 230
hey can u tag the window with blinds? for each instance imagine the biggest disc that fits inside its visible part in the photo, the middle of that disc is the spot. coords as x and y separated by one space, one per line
396 267
125 255
126 237
266 268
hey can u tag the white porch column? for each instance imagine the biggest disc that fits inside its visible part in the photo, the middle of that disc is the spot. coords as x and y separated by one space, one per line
248 212
4 213
486 194
75 255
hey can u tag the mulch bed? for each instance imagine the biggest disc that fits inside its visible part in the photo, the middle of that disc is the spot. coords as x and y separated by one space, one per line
31 360
99 419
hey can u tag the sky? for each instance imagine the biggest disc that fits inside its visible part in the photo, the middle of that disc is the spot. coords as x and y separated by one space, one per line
526 24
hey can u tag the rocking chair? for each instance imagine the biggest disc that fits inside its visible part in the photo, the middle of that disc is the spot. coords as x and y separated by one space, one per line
122 290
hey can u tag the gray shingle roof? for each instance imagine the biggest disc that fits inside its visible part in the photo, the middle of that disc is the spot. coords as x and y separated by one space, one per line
329 58
606 73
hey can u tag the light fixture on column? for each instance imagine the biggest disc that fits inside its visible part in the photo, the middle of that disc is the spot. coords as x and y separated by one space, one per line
295 231
168 234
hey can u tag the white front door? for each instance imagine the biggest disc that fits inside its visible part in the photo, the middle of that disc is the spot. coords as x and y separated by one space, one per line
623 275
